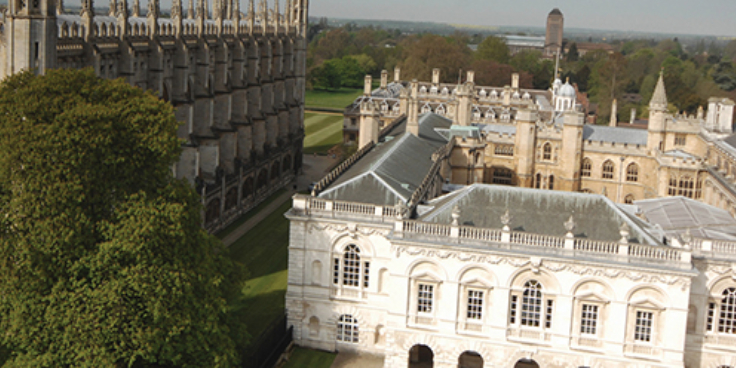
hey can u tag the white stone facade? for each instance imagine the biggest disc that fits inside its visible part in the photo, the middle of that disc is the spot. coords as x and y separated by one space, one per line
458 289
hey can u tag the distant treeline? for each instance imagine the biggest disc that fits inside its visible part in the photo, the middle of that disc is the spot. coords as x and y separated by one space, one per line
342 56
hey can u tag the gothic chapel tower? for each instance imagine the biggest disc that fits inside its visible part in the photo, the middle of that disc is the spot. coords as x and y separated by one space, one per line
29 37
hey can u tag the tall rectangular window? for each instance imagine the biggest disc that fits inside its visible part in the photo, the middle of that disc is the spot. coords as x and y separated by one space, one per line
548 315
643 328
680 139
475 304
589 319
366 274
336 271
711 314
512 314
425 298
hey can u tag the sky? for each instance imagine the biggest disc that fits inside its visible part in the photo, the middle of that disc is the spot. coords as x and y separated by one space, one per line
698 17
702 17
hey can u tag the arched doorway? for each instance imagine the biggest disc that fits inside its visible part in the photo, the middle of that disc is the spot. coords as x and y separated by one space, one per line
470 359
526 363
421 356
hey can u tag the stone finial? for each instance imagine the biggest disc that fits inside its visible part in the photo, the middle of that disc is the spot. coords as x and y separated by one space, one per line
570 226
686 238
401 209
455 215
136 9
190 9
506 220
624 230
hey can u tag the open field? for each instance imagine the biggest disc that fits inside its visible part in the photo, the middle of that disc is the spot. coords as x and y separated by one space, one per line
338 99
303 358
323 131
264 251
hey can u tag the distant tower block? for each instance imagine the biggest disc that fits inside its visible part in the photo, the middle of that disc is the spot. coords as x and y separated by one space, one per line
553 40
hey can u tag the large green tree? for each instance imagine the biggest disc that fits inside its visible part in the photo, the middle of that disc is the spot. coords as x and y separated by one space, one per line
493 48
103 262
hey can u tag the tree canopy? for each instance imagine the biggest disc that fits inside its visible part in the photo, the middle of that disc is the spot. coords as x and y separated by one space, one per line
103 262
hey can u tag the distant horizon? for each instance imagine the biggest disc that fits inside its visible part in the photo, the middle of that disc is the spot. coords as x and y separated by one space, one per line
686 17
703 18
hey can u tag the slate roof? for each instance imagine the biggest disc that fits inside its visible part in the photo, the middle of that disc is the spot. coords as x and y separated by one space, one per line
676 215
679 154
539 211
498 128
393 169
599 133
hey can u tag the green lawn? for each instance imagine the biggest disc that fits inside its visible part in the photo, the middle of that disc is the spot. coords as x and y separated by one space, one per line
338 99
264 251
226 231
322 131
305 358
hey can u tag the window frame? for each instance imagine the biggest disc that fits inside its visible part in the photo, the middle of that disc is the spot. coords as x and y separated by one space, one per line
347 331
586 168
632 172
359 281
608 170
517 304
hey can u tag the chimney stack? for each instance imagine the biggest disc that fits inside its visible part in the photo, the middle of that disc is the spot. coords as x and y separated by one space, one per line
397 74
368 85
515 81
471 76
435 76
384 79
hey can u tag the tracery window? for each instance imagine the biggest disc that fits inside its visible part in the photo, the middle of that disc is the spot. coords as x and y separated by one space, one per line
347 329
547 151
504 150
503 176
586 168
632 172
608 168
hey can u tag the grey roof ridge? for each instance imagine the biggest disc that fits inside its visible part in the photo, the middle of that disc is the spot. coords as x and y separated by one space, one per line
457 195
333 188
631 223
379 178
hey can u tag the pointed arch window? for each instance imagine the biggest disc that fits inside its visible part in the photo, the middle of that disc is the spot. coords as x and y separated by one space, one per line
632 172
538 181
586 168
608 169
551 182
547 151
